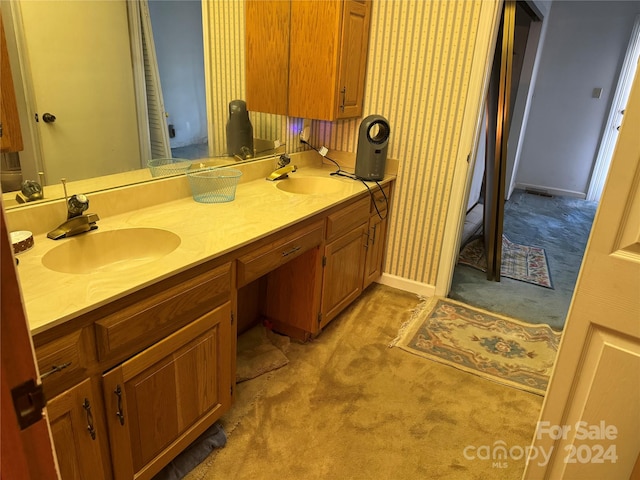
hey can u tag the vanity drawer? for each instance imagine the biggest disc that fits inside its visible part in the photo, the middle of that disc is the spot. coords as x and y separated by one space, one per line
64 361
348 218
269 257
146 320
379 200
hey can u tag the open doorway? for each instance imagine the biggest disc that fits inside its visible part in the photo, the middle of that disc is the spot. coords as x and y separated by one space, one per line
179 50
535 217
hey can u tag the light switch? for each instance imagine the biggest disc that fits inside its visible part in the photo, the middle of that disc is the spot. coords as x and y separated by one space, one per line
597 92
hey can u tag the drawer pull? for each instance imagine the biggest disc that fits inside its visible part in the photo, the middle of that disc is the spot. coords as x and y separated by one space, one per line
119 412
289 252
54 369
92 431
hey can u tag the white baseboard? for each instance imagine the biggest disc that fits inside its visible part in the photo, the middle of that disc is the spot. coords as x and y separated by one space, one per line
407 285
551 191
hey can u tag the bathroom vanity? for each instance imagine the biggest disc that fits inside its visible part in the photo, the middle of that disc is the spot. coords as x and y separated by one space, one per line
138 361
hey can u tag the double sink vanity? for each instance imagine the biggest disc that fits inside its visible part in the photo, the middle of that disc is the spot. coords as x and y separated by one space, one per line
135 323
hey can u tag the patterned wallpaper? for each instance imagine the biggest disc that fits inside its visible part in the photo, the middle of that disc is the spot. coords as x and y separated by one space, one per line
420 60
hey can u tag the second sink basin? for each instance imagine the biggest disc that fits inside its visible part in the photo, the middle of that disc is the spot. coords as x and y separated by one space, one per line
110 251
310 185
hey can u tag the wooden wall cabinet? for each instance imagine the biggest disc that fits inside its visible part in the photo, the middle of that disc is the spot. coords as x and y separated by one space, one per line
323 52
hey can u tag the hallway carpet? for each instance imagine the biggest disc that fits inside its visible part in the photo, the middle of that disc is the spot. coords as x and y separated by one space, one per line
349 407
561 226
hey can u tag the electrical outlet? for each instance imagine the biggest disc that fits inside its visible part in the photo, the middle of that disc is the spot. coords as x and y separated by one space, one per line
305 133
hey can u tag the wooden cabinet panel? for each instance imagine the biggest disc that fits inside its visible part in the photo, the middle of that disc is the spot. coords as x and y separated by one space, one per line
381 199
313 64
375 248
292 297
314 52
343 272
64 361
353 58
278 252
267 55
165 397
140 324
78 434
346 219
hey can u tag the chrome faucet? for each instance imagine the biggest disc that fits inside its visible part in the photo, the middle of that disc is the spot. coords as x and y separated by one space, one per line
77 221
283 169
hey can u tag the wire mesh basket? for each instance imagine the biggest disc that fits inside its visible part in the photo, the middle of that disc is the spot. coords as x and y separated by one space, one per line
161 167
215 185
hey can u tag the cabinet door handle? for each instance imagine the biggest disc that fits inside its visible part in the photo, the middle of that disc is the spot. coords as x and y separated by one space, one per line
292 250
119 412
54 369
344 97
87 406
373 238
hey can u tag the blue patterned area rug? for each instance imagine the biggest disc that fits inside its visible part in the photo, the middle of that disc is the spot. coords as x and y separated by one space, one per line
495 347
519 262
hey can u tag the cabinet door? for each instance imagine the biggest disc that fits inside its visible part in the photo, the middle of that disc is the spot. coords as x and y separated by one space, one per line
353 58
267 55
343 272
162 399
375 249
78 433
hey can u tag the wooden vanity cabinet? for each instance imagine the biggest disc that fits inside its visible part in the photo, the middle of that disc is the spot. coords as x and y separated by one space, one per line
79 434
147 374
316 61
376 235
289 264
162 399
344 258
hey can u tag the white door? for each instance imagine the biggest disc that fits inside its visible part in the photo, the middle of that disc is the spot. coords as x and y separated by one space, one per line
590 418
80 59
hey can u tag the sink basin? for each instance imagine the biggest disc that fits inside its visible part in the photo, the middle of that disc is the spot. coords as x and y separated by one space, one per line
110 251
310 185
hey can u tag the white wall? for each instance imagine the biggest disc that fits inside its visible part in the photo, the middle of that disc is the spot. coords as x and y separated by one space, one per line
177 32
584 47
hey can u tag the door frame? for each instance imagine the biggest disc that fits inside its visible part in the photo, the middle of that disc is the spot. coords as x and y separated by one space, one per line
610 135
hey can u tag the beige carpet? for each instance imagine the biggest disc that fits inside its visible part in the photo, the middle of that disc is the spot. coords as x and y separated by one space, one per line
260 351
349 407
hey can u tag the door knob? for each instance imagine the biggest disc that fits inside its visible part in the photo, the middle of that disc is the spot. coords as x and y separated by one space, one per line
48 118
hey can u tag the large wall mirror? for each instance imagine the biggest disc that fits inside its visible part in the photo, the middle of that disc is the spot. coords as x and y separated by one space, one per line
104 86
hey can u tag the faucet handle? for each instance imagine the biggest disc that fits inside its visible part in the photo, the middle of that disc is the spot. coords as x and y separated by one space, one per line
284 160
76 204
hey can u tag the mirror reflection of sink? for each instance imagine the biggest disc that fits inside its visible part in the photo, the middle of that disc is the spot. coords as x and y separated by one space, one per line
310 185
110 251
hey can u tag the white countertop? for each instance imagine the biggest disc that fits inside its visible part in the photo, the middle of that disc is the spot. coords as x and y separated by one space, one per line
206 231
